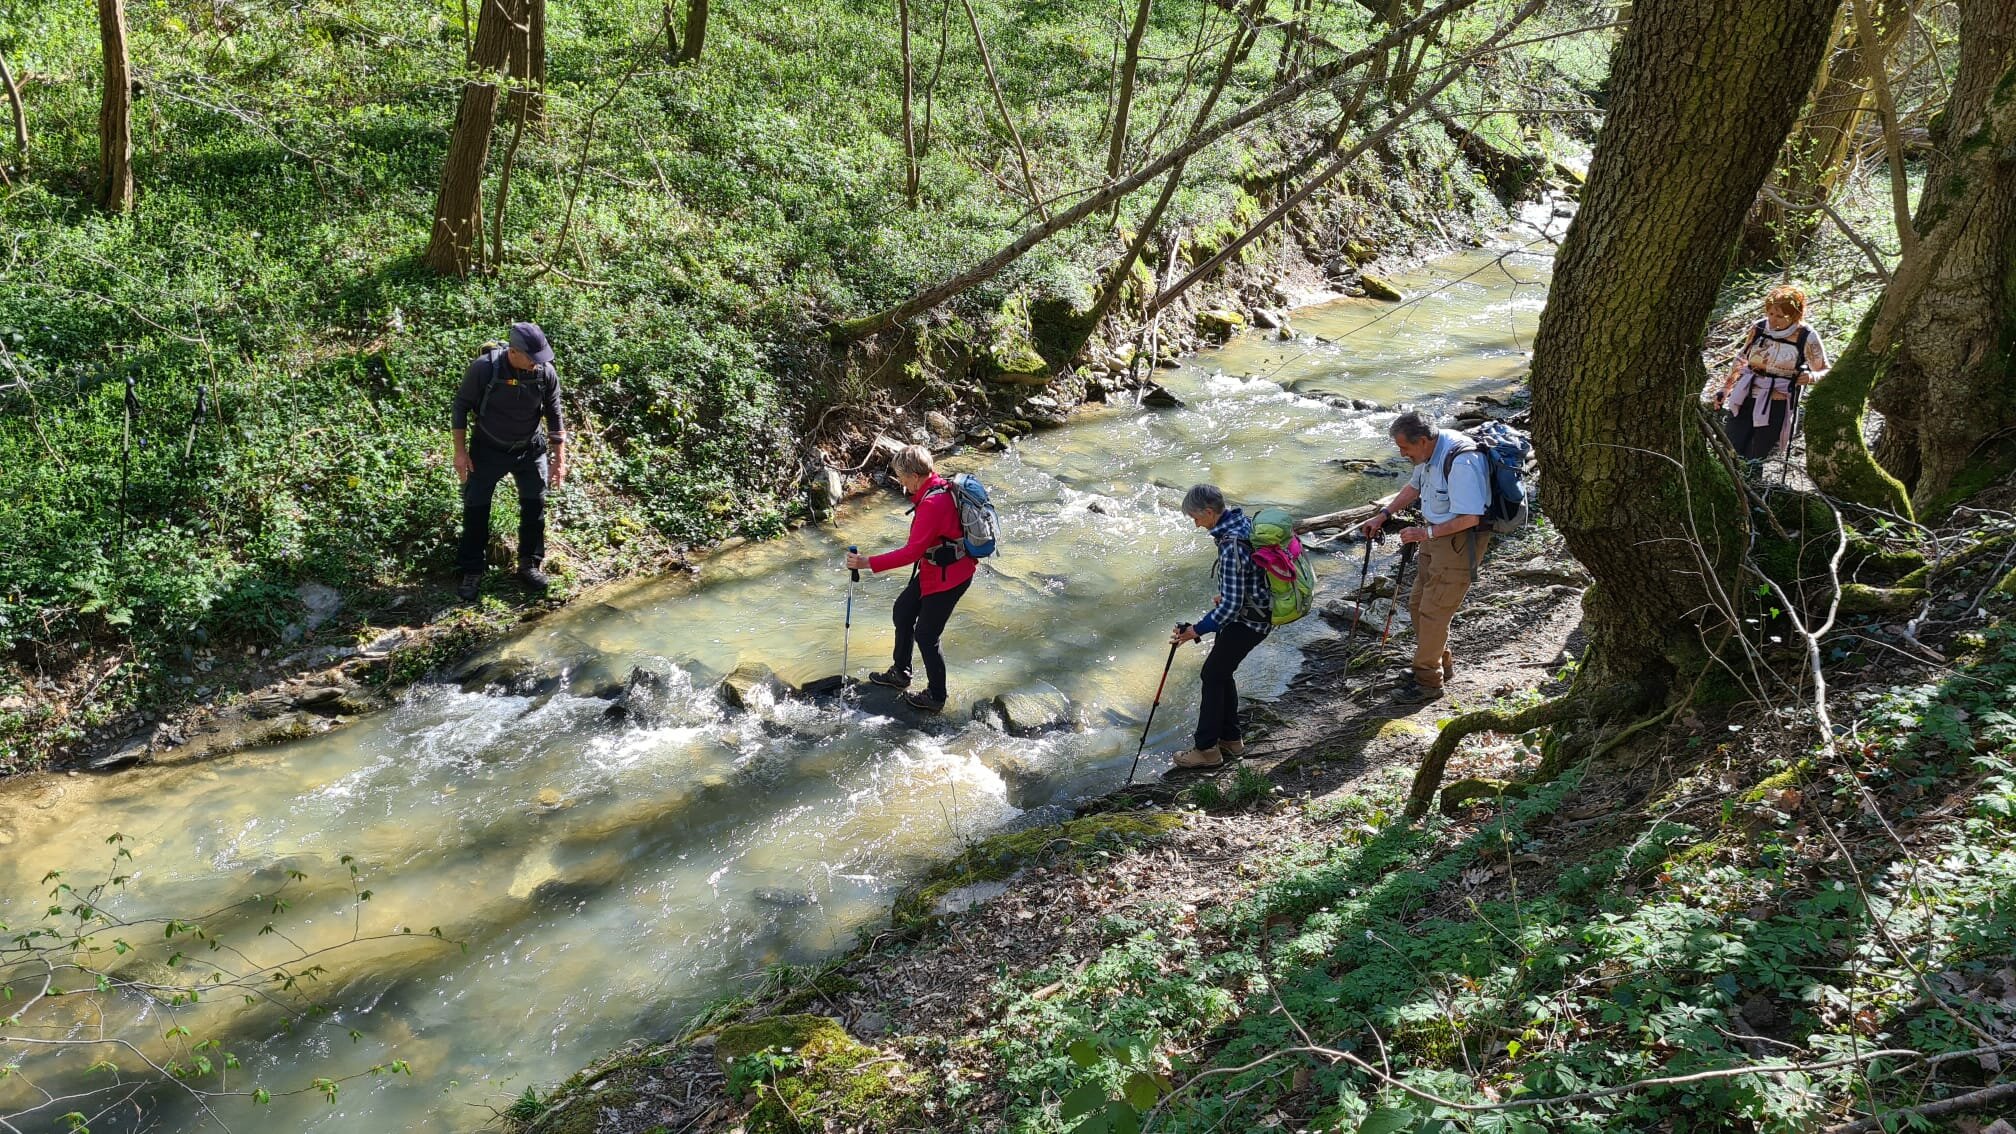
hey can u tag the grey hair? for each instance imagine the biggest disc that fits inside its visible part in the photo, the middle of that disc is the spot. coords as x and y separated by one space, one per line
912 460
1203 499
1412 426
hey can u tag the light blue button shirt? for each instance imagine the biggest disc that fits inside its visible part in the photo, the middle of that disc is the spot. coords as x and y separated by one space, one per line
1463 493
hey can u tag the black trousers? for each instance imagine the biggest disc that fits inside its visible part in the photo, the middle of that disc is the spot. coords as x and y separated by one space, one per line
1218 712
1755 442
920 620
493 463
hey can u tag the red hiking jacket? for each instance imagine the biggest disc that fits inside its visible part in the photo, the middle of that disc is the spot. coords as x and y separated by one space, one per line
935 521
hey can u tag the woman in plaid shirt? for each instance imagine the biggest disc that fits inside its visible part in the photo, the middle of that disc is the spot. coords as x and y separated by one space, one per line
1242 618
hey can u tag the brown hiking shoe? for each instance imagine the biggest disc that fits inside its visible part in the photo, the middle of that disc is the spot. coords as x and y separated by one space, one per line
1233 748
1198 758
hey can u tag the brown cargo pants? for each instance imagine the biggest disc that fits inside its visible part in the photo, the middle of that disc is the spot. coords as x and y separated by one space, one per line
1445 568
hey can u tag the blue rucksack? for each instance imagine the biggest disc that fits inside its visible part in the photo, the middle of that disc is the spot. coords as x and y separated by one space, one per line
1506 451
979 527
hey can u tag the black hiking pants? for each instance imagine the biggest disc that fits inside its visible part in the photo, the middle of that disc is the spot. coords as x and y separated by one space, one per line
1218 711
920 620
1755 442
493 463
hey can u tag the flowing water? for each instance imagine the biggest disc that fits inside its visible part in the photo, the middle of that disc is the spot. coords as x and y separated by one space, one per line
602 879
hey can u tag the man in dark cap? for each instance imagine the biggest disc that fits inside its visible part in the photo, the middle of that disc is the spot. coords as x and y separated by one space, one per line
513 393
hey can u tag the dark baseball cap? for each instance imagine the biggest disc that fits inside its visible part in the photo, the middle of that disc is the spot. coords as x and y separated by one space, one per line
530 339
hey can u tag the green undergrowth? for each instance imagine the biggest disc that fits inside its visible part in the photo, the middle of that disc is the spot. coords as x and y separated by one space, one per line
1524 956
287 160
805 1073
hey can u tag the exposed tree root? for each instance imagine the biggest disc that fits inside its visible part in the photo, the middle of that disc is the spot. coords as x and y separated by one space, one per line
1429 777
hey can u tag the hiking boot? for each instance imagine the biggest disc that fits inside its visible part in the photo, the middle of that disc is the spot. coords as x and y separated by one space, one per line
924 702
891 677
535 578
1198 758
470 586
1232 748
1416 693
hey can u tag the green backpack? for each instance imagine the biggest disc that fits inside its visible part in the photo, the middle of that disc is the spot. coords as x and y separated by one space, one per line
1291 576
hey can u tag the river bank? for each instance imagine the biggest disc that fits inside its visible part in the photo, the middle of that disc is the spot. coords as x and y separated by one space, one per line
354 655
589 815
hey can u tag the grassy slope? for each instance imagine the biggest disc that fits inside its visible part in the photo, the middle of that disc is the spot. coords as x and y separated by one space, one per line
287 161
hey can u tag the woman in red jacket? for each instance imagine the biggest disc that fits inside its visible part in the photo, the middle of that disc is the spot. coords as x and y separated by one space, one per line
940 573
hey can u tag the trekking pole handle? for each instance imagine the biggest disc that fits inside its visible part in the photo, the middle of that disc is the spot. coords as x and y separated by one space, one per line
855 572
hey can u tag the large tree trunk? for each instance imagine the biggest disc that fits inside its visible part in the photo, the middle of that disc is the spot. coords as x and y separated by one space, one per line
115 112
1815 156
511 37
1632 480
1939 346
696 31
455 247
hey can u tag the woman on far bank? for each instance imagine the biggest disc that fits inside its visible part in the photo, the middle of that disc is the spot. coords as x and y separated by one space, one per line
1780 355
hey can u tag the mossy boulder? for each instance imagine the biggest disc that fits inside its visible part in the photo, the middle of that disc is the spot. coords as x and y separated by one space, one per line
1379 287
737 687
1011 356
991 860
793 1067
1219 323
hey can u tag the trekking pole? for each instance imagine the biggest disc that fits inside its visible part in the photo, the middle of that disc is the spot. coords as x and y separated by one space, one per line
1358 608
126 458
1791 430
195 420
1150 722
847 627
1399 585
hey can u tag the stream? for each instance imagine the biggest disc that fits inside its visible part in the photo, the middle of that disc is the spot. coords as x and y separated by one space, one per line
602 877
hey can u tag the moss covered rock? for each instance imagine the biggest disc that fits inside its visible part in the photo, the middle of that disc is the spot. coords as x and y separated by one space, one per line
1011 356
991 860
803 1073
1378 287
1219 323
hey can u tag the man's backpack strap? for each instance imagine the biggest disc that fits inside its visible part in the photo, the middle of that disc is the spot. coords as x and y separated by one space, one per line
543 371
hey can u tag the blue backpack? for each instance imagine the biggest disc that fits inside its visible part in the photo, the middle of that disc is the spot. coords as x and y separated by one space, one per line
979 527
1506 451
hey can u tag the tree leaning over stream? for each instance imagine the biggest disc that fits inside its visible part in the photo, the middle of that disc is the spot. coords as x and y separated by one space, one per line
1937 355
1634 479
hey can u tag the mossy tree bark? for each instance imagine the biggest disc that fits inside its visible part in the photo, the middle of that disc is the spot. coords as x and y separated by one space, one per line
1813 159
1935 356
115 112
1632 478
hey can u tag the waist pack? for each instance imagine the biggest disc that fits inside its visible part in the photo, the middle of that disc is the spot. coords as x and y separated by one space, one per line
979 526
1291 575
1506 451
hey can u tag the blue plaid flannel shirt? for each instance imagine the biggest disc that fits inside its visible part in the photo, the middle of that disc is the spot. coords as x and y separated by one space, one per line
1243 594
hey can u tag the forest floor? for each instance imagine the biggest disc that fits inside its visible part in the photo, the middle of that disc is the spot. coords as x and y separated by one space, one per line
1213 952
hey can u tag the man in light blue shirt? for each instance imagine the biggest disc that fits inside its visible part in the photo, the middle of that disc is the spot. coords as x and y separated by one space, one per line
1450 483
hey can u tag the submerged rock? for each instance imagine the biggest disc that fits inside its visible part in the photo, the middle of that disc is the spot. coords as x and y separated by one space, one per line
737 686
1039 708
